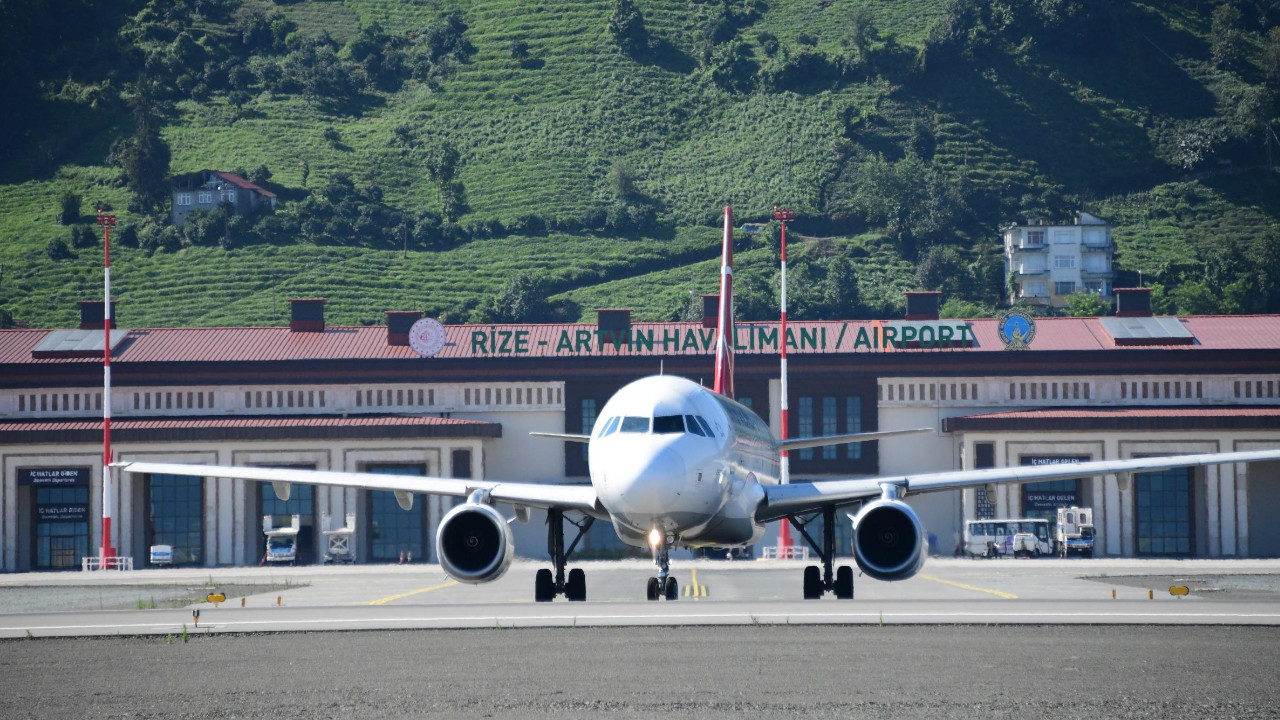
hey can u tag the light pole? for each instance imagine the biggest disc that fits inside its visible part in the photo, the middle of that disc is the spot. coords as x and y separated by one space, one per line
783 215
107 221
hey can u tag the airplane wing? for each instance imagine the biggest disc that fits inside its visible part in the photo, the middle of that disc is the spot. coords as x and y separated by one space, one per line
783 500
809 442
567 437
541 495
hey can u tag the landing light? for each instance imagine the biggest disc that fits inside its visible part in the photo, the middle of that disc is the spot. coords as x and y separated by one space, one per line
655 537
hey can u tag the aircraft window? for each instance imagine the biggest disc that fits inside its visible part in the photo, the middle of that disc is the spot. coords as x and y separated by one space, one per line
610 426
705 425
634 425
693 425
668 424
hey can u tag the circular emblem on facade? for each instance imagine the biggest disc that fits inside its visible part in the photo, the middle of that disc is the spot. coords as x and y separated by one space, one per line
426 337
1017 329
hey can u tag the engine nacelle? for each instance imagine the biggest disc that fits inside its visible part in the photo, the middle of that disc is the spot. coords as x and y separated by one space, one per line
888 540
474 543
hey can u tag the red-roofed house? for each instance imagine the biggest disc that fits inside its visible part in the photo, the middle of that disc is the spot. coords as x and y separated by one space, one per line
208 189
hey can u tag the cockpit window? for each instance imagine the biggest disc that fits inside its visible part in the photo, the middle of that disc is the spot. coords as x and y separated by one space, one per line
609 426
668 424
705 425
634 425
693 425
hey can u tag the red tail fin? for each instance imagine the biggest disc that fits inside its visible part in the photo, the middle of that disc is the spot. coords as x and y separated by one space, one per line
725 334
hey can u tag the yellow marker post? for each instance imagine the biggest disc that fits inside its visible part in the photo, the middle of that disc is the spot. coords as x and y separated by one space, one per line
1113 593
241 602
1151 594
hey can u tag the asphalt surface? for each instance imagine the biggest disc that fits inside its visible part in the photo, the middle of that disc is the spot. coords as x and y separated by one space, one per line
948 591
702 672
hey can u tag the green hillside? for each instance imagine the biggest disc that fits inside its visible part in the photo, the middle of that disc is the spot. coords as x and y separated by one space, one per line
457 156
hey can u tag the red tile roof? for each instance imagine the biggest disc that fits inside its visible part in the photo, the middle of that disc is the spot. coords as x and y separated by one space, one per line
255 428
263 344
243 422
241 182
1128 418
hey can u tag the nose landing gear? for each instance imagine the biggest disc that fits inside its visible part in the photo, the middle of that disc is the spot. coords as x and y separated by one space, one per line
664 585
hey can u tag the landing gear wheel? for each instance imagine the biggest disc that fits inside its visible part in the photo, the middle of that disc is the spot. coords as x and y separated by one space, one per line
844 582
672 590
576 588
544 588
654 589
812 582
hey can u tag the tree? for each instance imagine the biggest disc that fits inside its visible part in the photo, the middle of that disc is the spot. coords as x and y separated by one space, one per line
840 289
862 32
145 158
69 208
1271 58
942 268
57 249
127 236
955 308
238 98
732 66
443 161
522 299
83 237
626 25
1226 36
622 179
1195 298
259 175
1087 305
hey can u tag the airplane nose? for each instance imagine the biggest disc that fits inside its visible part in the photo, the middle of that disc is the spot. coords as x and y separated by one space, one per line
651 486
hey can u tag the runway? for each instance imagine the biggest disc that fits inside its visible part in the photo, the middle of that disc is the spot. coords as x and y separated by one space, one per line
948 592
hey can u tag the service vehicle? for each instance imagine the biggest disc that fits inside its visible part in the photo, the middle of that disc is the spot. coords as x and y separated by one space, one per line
1074 532
1029 537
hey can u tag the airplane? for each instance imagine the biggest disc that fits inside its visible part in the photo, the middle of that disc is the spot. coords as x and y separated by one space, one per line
673 463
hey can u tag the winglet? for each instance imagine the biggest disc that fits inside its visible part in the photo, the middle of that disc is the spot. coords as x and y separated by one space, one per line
724 333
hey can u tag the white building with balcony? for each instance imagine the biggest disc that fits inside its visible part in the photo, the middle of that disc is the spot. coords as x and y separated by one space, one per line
1047 263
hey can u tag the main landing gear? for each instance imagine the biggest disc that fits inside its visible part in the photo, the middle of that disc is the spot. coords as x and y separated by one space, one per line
818 581
663 586
545 585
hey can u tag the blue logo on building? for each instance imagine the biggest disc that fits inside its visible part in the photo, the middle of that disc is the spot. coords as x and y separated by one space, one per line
1017 329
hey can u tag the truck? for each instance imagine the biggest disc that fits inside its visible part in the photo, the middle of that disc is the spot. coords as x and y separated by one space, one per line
1074 532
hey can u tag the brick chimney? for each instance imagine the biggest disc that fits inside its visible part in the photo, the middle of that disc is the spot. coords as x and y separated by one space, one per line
613 324
398 324
1133 302
91 315
922 304
711 310
307 314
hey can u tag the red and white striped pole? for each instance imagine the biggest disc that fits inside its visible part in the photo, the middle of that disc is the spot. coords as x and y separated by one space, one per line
108 551
784 538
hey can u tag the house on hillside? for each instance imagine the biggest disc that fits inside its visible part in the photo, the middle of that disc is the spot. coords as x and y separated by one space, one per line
208 189
1046 263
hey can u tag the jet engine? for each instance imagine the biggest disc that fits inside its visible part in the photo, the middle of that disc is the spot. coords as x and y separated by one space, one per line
474 543
888 540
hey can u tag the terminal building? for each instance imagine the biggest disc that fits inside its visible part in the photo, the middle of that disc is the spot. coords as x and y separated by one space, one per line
361 399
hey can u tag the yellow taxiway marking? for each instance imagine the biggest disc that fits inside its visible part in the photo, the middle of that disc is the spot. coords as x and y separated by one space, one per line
419 591
989 591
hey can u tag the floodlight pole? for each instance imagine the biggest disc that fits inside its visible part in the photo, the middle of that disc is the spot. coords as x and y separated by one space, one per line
107 221
783 215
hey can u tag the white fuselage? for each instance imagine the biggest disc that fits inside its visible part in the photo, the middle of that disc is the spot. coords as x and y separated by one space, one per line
669 454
